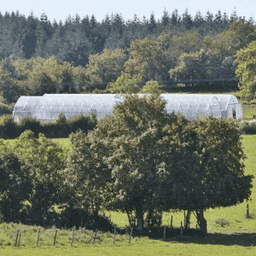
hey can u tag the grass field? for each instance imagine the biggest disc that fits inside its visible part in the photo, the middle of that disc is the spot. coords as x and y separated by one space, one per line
230 232
249 110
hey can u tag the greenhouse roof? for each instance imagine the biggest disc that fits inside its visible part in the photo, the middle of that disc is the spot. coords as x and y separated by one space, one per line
49 106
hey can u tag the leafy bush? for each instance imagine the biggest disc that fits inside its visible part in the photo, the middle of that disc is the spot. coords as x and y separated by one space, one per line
29 123
248 127
4 109
82 122
8 128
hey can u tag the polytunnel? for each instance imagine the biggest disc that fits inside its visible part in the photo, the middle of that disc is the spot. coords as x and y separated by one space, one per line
49 106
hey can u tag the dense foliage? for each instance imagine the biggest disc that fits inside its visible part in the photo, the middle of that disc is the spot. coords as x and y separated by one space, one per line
61 127
83 55
148 161
246 71
139 160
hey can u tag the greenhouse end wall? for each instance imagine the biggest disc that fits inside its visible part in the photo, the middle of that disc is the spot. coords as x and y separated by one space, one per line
49 106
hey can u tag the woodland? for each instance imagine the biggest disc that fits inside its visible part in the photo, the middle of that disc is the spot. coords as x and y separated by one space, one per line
82 55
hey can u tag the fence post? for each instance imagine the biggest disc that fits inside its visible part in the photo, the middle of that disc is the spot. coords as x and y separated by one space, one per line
55 237
181 229
164 233
38 237
17 237
247 211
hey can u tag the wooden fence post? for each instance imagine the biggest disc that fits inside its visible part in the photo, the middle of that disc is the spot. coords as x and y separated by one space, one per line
55 237
38 237
17 237
164 233
181 229
247 211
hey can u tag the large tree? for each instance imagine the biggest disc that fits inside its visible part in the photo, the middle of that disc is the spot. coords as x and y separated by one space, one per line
209 170
43 161
160 162
246 71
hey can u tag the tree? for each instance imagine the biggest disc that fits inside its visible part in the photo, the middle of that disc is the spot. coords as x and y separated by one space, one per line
150 59
124 84
214 176
14 185
152 87
104 68
246 71
43 34
191 66
128 142
43 161
87 175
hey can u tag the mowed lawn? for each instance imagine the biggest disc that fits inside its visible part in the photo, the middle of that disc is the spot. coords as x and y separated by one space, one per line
230 232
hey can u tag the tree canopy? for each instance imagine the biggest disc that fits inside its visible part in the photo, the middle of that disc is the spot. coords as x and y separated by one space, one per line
83 55
155 162
246 71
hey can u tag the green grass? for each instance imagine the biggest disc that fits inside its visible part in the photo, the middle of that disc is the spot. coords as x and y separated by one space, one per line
151 248
249 110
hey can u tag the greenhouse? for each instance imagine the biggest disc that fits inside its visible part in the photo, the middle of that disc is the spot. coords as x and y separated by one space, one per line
49 106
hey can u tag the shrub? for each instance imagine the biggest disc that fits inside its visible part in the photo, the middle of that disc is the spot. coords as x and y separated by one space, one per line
29 123
4 109
8 128
248 127
82 122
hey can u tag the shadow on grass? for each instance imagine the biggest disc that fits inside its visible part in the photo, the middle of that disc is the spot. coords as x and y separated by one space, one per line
241 239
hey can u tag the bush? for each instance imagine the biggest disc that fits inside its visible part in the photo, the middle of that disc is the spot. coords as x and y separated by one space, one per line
82 122
4 109
29 123
248 127
60 128
8 128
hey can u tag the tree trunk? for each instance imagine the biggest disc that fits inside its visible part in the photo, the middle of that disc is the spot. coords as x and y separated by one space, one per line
201 221
139 217
187 220
129 217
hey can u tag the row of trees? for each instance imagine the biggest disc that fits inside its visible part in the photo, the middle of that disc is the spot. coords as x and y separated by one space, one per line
168 59
75 38
139 160
61 127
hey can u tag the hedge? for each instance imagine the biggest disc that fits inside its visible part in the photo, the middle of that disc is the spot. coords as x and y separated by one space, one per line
61 127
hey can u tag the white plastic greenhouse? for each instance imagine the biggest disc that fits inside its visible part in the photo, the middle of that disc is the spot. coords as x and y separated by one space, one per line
49 106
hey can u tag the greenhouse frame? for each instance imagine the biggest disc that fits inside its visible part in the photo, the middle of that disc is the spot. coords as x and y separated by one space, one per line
49 106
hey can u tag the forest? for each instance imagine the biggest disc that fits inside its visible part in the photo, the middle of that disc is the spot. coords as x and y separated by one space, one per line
82 55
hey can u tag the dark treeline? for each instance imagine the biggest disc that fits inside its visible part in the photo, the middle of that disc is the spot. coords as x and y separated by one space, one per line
84 55
76 38
61 127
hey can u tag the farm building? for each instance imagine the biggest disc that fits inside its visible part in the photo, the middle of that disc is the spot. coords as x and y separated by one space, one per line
49 106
